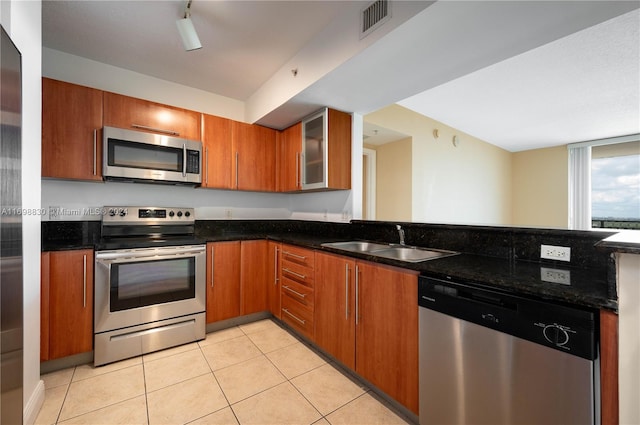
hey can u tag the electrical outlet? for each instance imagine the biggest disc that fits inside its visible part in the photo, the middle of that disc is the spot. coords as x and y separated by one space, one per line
551 252
555 275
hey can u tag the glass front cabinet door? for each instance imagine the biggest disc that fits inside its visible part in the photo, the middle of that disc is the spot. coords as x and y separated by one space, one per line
326 150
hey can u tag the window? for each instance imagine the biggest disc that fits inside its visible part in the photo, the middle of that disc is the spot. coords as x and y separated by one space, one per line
604 187
615 186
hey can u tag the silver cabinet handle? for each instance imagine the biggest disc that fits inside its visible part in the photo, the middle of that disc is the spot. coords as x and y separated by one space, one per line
346 291
184 160
301 276
236 170
275 267
302 322
357 296
294 291
95 151
206 159
84 279
212 249
297 170
157 130
291 254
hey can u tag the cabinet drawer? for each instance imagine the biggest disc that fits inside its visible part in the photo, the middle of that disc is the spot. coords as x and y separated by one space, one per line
296 316
302 256
298 273
301 293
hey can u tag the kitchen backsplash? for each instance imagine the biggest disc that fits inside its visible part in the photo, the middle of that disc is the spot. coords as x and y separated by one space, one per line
80 201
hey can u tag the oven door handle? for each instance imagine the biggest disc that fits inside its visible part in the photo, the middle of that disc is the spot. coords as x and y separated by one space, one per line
149 254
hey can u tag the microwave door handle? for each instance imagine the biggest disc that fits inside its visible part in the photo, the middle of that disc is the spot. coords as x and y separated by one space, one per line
184 160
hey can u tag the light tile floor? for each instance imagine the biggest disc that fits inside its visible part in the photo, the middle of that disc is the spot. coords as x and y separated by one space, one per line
250 374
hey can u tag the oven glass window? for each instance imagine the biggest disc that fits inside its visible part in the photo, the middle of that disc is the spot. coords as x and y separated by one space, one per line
140 155
144 283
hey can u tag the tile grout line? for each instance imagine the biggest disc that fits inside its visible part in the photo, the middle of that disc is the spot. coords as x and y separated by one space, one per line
66 393
219 386
146 399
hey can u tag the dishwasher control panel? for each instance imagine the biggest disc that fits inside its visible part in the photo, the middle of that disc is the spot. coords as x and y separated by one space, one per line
565 328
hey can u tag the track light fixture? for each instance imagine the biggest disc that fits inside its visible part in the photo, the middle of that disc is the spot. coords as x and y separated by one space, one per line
187 31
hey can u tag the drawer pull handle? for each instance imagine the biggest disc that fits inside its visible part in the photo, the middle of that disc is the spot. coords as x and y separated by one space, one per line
156 130
302 322
294 291
291 254
301 276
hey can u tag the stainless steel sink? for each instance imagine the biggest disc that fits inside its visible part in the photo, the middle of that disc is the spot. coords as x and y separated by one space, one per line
407 253
357 246
412 254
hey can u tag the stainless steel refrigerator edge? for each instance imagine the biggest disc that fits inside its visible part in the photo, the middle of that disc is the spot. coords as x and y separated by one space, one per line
11 277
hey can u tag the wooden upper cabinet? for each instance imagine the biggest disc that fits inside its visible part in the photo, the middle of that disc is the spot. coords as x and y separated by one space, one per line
255 157
218 153
71 131
326 151
138 114
290 171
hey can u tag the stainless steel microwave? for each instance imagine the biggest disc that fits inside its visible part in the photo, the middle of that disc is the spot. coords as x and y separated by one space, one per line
137 156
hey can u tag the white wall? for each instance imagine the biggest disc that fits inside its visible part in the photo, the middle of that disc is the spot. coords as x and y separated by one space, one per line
467 184
22 21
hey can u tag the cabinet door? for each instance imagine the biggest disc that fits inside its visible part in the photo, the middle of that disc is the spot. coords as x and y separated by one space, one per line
70 302
334 307
255 162
387 330
254 276
339 145
218 153
138 114
273 273
44 306
71 131
223 280
290 159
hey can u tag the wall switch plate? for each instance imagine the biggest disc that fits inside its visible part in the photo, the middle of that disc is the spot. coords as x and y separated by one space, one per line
551 252
555 275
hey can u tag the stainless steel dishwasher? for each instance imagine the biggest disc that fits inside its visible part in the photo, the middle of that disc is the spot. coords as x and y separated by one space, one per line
488 357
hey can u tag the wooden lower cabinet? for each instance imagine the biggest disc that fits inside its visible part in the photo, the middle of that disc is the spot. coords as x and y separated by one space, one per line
273 275
254 257
335 326
236 279
387 330
67 303
223 280
366 316
609 368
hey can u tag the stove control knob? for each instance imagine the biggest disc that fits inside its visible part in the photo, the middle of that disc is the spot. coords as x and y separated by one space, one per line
171 213
179 213
187 214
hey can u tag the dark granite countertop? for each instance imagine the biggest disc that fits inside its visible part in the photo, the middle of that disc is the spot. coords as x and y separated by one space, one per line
587 287
500 258
627 242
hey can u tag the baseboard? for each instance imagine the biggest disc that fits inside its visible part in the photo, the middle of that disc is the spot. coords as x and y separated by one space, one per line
33 406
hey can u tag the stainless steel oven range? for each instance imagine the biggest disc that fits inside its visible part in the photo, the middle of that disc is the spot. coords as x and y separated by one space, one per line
150 277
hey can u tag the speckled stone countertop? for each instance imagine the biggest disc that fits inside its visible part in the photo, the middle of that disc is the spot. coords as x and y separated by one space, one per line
503 258
627 242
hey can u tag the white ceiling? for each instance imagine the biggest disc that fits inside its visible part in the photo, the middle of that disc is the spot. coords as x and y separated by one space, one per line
462 63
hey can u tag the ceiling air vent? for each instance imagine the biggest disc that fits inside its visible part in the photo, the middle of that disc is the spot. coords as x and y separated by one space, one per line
373 16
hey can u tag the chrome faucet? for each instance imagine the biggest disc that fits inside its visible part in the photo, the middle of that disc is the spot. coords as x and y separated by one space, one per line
400 233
